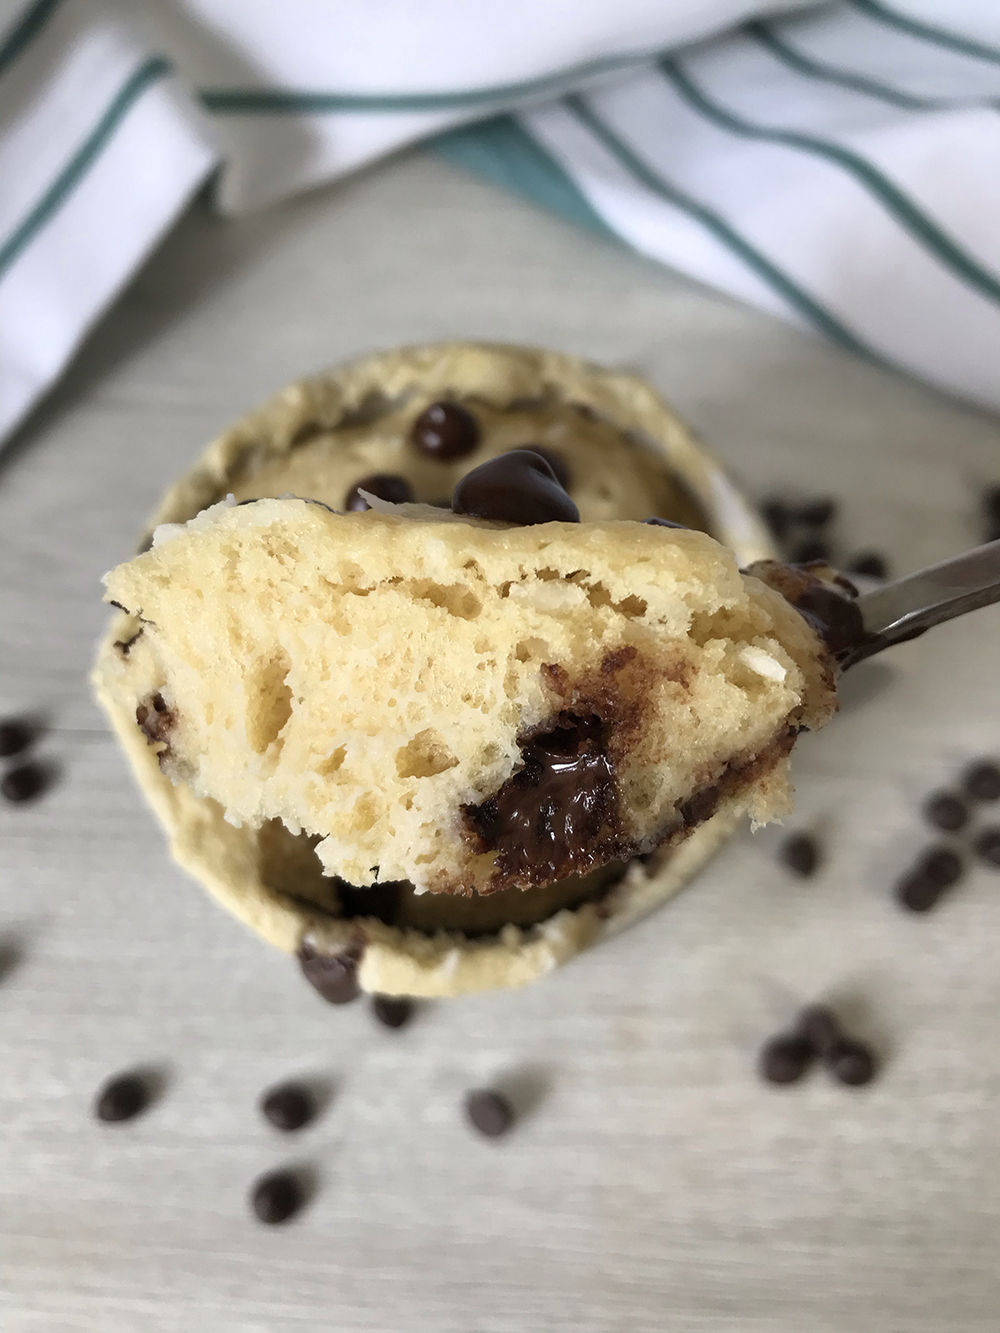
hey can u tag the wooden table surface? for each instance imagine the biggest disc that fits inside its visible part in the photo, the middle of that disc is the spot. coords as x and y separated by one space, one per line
652 1182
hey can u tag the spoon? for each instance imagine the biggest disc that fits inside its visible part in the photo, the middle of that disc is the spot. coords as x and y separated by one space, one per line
908 606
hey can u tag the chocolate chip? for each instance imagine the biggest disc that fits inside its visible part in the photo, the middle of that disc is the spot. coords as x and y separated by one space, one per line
489 1112
15 736
988 847
850 1061
785 1058
24 782
155 718
942 867
815 513
917 893
334 976
777 516
385 485
276 1197
982 781
946 812
445 431
813 548
392 1011
869 563
800 854
288 1107
819 1027
121 1098
664 523
518 487
555 461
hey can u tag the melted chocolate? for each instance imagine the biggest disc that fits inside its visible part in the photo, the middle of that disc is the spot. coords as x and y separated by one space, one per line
155 719
834 617
517 487
558 815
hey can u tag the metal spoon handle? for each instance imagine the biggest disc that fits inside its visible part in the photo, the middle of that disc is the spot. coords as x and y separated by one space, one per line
906 607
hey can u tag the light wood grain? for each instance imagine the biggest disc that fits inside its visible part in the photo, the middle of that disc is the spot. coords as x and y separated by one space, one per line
653 1183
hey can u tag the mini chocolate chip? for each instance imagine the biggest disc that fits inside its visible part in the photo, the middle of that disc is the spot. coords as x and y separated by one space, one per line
942 867
15 736
982 781
869 563
819 1027
850 1061
24 782
517 487
664 523
815 513
288 1106
988 847
785 1058
445 431
555 461
917 892
489 1112
276 1197
334 976
121 1098
385 485
776 515
946 812
813 548
392 1011
800 854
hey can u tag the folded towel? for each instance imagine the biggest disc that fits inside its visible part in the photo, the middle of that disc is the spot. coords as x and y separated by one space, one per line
838 166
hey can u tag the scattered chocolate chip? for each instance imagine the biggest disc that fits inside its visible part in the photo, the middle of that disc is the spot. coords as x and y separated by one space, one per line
664 523
776 515
815 513
917 893
445 431
988 847
15 736
813 548
392 1011
785 1058
869 563
24 782
334 976
942 866
518 487
121 1098
489 1112
819 1027
385 485
850 1061
288 1107
946 812
276 1197
555 461
982 781
800 854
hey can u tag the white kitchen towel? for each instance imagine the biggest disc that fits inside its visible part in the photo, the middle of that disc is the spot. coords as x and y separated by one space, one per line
837 166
